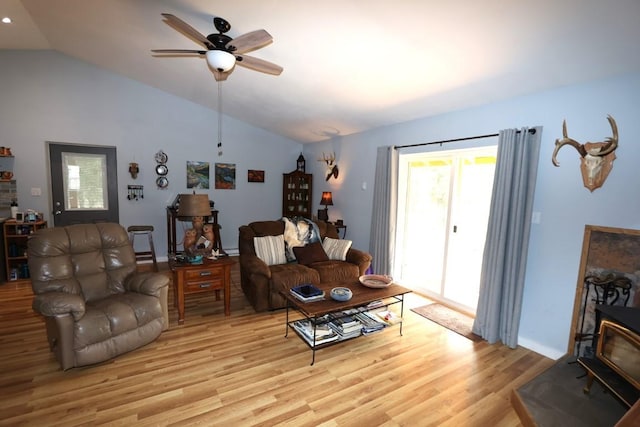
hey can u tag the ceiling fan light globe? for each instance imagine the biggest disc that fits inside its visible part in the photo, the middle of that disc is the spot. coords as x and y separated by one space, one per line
220 60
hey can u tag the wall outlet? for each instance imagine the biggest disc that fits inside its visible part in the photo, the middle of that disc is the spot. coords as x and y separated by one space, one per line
36 191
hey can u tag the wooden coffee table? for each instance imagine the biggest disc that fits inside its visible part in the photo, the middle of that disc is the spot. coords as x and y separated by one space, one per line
362 297
210 276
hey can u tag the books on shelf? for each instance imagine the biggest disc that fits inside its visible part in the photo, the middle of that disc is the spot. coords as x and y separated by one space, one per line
369 323
307 293
323 333
387 317
347 326
343 325
375 304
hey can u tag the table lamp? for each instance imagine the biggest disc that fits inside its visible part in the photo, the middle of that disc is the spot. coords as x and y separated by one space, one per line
327 200
195 207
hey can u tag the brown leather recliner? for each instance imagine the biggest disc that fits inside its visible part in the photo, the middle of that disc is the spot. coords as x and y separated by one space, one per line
262 284
96 306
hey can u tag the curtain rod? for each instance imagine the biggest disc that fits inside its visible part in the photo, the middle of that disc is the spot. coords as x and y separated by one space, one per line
532 131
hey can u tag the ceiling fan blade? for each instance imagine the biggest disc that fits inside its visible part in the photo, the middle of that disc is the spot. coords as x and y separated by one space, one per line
259 65
197 52
249 41
187 30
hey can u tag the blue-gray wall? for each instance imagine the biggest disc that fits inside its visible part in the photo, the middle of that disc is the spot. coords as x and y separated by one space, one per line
46 96
565 205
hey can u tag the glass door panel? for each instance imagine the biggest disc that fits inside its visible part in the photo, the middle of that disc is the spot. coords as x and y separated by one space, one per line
426 214
85 181
470 215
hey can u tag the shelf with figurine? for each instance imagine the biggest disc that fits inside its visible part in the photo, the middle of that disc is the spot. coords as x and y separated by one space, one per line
16 233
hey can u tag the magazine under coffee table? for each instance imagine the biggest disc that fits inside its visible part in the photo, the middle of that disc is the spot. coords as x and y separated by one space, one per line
318 314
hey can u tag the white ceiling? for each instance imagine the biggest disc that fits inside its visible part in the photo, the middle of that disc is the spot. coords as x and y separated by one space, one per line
349 66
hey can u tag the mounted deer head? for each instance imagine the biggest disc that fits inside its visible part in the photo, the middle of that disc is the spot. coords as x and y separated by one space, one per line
332 167
596 157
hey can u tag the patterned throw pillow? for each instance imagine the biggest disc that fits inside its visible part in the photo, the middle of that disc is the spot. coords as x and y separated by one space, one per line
270 249
336 248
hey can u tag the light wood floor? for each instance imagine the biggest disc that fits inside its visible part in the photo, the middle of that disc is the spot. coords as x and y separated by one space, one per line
241 371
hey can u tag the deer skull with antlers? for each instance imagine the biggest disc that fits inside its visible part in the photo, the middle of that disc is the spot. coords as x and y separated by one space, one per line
596 157
332 167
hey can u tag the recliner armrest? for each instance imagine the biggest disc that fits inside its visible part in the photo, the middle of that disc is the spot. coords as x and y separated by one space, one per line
58 304
254 265
148 283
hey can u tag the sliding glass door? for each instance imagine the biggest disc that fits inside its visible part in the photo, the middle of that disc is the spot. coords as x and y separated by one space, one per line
443 210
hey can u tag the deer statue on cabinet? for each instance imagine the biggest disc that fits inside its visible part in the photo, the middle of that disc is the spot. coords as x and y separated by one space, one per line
332 166
596 157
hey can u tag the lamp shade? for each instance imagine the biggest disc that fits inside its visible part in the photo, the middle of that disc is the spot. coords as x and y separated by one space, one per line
194 205
327 199
220 60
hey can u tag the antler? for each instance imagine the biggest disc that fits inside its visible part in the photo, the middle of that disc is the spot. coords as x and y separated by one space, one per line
328 159
610 146
612 143
566 141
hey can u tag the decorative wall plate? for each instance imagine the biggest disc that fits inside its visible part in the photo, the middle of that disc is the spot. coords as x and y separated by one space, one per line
162 170
162 182
161 157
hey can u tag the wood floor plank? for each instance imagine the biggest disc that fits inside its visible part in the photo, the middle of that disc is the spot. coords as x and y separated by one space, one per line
241 370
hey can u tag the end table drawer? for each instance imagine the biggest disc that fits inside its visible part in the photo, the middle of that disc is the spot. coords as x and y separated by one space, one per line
203 274
203 285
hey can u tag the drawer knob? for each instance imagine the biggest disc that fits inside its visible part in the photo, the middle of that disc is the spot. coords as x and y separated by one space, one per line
205 285
205 273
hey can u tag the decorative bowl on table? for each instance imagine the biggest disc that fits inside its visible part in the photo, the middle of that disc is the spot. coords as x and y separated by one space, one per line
195 259
376 280
341 294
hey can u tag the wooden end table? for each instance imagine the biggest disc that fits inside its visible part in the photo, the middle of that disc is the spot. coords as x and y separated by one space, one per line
210 276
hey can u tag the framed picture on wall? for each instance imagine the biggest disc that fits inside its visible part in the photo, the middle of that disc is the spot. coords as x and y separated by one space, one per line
225 176
197 174
255 175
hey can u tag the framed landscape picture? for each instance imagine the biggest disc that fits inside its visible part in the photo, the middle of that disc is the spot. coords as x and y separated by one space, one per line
255 175
225 176
198 175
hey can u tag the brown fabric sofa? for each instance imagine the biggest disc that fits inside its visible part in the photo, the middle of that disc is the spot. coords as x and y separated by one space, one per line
262 284
96 306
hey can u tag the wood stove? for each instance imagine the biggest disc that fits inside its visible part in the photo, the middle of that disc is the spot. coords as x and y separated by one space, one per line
617 360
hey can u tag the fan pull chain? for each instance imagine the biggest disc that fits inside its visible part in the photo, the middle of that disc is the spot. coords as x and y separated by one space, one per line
219 118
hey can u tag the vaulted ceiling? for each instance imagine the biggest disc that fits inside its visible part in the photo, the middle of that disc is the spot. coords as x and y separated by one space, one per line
349 66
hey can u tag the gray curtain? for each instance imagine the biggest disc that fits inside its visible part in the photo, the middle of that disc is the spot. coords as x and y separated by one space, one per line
383 218
506 246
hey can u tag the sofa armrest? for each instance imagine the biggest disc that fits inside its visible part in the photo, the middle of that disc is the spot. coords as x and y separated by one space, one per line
254 265
59 304
360 258
148 283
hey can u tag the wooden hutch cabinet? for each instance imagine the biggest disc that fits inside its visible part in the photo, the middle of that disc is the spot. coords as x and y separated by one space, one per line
297 194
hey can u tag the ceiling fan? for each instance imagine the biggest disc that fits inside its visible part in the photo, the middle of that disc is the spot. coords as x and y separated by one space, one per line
222 52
